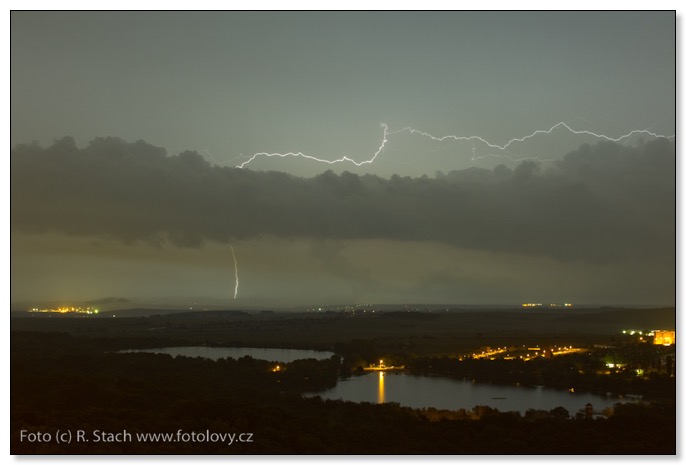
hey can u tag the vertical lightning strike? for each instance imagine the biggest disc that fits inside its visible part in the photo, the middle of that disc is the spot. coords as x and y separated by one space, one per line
235 271
491 145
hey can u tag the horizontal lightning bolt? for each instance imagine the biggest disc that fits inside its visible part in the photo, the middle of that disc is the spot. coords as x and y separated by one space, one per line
410 130
533 134
320 160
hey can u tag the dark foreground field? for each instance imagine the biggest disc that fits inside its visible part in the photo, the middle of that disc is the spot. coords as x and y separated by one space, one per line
72 394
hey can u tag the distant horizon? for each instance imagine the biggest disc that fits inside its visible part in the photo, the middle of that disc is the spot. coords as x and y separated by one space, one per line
210 305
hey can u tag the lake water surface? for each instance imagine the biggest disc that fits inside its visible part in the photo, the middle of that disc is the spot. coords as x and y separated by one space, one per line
215 353
451 394
413 390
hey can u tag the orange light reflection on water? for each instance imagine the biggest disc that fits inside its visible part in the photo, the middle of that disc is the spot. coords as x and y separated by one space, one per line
382 388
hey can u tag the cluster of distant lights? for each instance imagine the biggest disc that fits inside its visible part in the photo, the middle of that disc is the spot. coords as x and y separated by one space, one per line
531 352
535 305
63 310
361 307
341 308
660 336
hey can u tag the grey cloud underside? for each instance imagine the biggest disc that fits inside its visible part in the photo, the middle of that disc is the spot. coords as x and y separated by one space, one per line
599 203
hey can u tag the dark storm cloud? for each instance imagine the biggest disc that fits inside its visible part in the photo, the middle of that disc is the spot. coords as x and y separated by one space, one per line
600 202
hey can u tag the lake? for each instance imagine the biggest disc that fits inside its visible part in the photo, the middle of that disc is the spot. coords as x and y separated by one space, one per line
412 390
215 353
443 393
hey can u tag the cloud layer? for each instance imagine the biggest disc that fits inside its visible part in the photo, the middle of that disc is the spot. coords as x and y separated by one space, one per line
604 202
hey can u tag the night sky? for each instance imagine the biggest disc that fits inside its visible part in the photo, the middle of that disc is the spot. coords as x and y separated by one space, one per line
127 129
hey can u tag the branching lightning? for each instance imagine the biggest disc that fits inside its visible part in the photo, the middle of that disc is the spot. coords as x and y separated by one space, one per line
235 271
387 134
533 134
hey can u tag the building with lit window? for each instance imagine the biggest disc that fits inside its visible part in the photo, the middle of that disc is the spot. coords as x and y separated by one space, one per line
664 338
